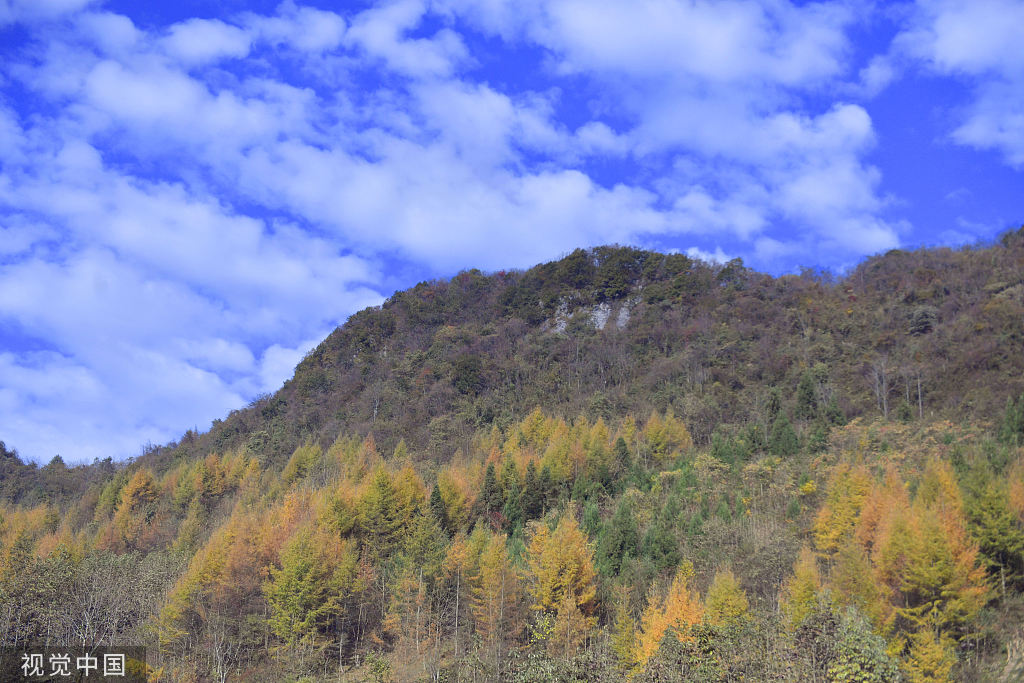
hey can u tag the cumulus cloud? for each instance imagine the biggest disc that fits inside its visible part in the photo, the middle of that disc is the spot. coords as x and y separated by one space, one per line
380 32
114 34
711 87
876 76
978 41
305 29
716 256
30 11
197 41
156 297
705 41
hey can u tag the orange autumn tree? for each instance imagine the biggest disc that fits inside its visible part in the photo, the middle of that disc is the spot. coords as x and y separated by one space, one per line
926 567
679 611
943 585
135 514
908 563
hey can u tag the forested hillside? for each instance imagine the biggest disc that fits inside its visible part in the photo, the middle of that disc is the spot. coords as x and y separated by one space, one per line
622 464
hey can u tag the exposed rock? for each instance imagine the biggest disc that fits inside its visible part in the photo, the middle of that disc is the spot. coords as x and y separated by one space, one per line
599 316
623 317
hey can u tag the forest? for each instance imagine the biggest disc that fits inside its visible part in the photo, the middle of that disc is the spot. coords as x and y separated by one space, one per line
621 465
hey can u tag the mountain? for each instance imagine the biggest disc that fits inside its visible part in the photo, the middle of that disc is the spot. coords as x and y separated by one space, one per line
618 464
615 330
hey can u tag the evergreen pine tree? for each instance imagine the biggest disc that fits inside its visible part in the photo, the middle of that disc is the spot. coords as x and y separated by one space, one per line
619 538
783 441
438 509
622 457
1011 431
491 496
533 495
806 398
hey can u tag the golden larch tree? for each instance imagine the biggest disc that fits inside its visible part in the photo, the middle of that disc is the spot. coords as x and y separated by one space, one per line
679 611
800 595
561 565
726 603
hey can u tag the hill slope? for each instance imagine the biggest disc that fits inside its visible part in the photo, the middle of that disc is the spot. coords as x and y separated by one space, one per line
621 463
615 330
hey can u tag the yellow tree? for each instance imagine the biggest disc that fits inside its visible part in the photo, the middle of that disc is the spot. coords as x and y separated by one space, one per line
931 658
410 494
301 463
680 610
557 457
938 489
943 584
453 485
853 583
848 488
800 595
561 565
536 429
407 618
726 603
211 479
624 640
1016 487
879 506
891 549
495 597
378 513
137 509
455 563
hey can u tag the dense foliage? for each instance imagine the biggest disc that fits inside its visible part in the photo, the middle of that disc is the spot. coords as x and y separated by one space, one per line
730 476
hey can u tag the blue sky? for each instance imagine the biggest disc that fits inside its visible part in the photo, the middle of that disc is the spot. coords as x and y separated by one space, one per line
193 194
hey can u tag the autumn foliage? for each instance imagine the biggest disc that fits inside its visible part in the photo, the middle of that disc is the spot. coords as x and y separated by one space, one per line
691 500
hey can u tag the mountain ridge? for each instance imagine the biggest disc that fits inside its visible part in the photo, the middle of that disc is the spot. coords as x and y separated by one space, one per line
441 359
474 345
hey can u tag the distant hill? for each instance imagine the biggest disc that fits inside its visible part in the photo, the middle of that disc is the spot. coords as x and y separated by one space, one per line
615 330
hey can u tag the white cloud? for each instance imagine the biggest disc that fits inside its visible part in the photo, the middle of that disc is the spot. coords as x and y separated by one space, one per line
166 105
596 137
18 234
380 32
967 36
197 41
160 297
770 249
487 128
12 138
38 10
303 28
278 362
714 85
980 41
716 256
453 216
996 120
876 76
708 41
114 34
